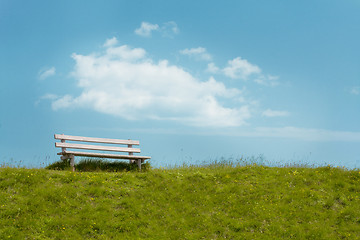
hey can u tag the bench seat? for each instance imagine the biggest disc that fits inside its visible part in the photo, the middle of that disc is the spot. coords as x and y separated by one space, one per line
103 155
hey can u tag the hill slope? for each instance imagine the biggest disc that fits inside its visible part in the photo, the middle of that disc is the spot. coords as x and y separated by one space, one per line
182 203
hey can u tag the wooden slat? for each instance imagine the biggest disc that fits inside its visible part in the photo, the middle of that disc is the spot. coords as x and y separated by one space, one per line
103 155
96 140
96 147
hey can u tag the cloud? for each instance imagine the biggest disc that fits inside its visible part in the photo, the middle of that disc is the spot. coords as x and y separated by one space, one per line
125 53
110 42
170 29
239 68
199 53
167 29
63 102
48 96
355 90
123 82
272 113
268 80
146 29
58 102
212 68
46 72
289 132
309 134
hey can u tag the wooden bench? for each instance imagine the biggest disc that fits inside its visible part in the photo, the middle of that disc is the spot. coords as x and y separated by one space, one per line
66 154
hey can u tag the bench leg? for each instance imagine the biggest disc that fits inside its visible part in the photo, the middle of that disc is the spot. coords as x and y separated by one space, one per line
72 160
139 163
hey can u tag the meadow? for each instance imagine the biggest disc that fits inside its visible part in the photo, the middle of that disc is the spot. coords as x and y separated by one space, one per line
214 201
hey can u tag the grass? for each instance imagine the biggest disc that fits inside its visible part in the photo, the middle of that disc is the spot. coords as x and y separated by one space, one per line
215 201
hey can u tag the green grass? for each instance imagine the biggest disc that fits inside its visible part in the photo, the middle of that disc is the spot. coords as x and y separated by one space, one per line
216 201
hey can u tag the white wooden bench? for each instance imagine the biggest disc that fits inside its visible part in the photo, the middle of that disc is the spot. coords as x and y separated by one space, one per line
66 154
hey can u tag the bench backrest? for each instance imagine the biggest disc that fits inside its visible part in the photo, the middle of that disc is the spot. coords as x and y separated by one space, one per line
65 145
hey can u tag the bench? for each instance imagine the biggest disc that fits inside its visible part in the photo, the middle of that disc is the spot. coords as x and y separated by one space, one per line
113 145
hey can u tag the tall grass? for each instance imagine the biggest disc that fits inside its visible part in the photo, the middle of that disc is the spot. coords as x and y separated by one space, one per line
97 164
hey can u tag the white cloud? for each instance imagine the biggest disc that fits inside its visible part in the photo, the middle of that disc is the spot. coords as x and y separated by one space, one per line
309 134
125 53
63 102
46 72
121 81
268 80
199 53
239 68
110 42
355 90
169 29
48 96
290 132
272 113
146 29
212 68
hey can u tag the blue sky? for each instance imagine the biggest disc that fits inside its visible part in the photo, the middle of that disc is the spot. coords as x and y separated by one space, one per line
192 80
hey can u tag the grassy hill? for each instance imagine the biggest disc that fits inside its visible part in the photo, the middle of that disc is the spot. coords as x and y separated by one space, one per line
213 202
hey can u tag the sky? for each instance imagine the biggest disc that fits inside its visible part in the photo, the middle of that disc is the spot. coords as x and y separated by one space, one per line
194 81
